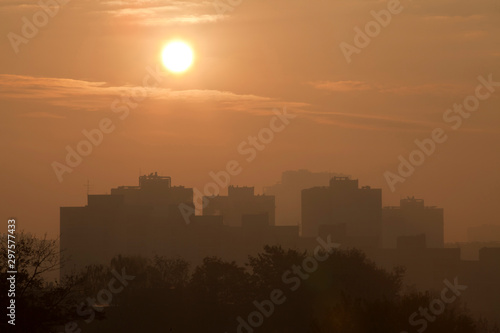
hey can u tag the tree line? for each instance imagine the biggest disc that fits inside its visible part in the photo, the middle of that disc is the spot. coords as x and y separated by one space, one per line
345 293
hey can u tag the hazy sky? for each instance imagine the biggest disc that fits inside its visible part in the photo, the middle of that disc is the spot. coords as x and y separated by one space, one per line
354 118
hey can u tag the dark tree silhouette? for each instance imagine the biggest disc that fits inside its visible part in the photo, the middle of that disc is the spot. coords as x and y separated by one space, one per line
345 293
40 303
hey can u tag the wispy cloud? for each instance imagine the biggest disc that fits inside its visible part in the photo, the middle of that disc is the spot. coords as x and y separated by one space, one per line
41 115
369 122
160 12
454 18
93 96
84 95
419 89
341 86
426 89
135 12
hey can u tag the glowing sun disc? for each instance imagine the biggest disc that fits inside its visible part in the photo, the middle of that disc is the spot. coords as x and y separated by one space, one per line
177 56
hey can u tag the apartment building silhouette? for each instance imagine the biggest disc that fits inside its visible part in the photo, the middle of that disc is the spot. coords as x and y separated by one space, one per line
352 215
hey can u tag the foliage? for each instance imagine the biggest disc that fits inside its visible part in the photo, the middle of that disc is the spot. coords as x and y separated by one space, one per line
346 293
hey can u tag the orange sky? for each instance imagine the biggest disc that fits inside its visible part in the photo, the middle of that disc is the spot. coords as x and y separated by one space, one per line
353 118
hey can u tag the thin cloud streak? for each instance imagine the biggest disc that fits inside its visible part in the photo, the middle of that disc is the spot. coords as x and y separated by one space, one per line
361 86
93 96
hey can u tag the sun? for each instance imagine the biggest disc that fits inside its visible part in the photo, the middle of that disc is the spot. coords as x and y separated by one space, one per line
177 56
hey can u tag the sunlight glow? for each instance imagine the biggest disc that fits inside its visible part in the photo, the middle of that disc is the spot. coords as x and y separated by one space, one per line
177 56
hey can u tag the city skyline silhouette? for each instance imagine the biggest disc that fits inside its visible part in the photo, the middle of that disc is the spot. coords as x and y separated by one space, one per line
250 166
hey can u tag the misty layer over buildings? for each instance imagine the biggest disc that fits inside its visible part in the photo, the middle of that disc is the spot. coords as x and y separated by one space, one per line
352 214
288 193
147 220
239 203
412 217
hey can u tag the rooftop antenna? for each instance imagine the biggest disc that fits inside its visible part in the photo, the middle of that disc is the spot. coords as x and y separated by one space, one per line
88 186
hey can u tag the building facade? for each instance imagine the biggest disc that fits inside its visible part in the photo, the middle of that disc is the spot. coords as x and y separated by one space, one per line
413 218
238 202
352 215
